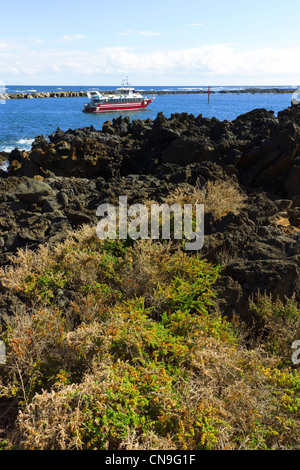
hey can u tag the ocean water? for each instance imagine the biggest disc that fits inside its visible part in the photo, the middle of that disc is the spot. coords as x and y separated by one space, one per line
22 120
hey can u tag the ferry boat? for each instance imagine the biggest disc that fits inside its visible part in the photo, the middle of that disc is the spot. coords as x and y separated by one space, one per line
126 98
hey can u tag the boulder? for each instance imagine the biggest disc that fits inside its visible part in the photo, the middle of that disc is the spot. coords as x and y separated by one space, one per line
34 191
292 182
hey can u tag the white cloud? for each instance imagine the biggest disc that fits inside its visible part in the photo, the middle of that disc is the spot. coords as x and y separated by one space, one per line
19 44
132 32
197 24
127 32
72 37
7 45
36 39
221 61
149 33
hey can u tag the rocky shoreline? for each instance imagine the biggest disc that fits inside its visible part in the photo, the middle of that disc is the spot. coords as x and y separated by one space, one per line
77 94
58 185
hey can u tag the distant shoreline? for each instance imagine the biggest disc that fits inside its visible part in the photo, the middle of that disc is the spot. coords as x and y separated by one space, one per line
77 94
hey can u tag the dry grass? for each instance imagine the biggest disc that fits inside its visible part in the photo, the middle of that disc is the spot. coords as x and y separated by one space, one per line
228 389
281 322
219 197
140 358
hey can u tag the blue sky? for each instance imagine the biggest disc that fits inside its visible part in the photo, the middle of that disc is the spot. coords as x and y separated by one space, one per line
154 42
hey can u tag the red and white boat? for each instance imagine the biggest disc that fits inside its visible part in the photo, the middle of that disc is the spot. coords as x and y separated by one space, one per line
125 99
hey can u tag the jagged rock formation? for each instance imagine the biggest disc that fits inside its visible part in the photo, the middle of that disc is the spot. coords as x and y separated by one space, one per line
60 182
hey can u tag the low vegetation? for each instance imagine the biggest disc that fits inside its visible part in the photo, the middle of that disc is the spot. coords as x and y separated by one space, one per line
219 197
120 345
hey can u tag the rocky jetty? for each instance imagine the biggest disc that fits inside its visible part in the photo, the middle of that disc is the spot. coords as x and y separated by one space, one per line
42 94
57 186
76 94
257 90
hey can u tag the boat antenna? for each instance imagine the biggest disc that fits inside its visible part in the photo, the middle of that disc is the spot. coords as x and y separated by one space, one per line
126 82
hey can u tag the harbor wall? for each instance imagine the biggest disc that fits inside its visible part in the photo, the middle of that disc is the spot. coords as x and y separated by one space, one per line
76 94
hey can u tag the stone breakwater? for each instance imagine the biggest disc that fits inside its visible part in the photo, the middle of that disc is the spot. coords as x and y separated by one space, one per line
58 185
76 94
42 94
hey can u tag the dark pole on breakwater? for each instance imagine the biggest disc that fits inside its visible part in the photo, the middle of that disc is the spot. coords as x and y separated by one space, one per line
208 94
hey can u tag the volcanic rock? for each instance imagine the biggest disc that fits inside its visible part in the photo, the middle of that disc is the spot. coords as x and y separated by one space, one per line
58 185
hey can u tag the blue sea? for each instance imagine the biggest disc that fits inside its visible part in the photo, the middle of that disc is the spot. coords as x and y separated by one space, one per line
22 120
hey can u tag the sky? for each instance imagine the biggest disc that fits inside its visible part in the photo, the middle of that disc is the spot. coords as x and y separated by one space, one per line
153 42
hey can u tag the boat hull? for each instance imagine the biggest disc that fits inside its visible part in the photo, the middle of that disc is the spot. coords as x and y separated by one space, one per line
109 107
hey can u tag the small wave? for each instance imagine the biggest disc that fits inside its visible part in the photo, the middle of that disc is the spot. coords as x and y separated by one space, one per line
25 141
7 149
4 166
31 91
236 88
22 144
191 88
